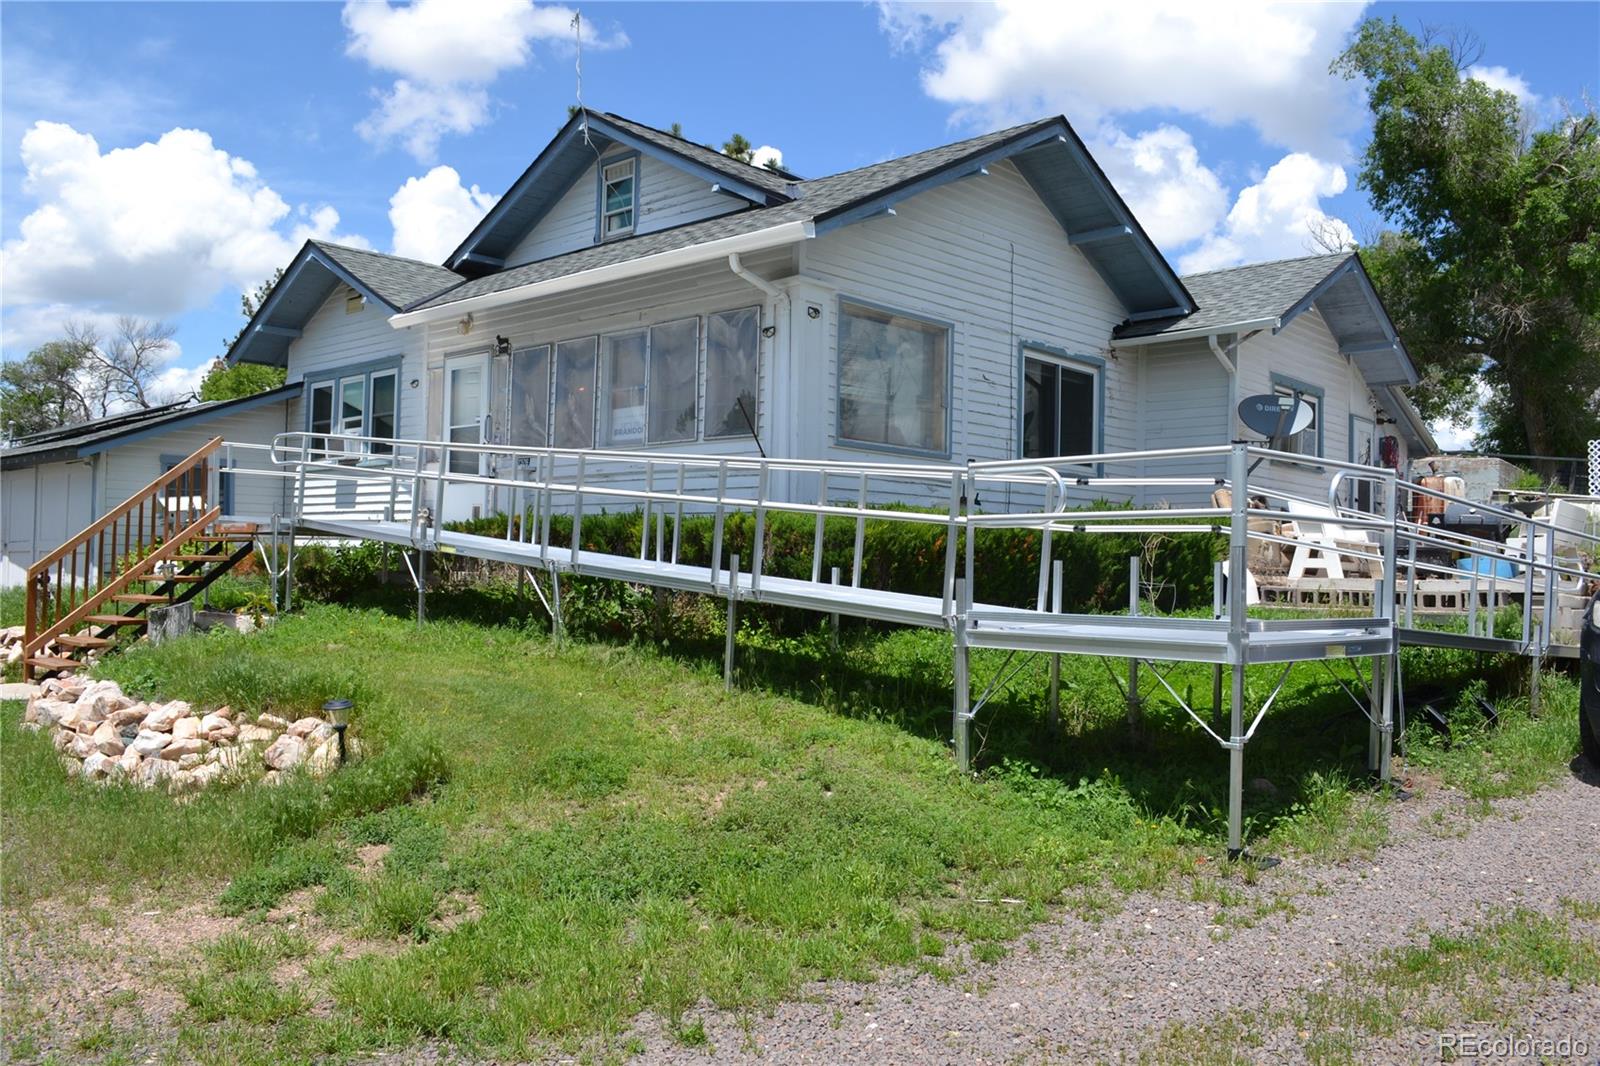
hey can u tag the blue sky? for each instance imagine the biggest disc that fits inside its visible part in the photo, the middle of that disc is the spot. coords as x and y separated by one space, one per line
155 159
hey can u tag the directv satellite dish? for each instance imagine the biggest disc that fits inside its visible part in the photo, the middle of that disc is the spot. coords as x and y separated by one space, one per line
1275 417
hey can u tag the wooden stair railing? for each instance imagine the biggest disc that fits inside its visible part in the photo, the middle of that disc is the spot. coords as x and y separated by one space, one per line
88 569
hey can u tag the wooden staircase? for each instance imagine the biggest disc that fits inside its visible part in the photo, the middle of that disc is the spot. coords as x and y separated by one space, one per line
163 545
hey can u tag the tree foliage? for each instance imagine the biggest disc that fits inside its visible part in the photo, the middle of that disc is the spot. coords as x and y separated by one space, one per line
1492 270
736 147
235 381
81 375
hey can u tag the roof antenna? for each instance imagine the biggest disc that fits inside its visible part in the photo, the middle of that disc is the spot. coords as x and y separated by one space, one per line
577 32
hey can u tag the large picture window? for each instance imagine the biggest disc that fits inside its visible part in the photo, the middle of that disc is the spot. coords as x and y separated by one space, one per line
894 379
359 402
732 363
530 397
1060 405
572 420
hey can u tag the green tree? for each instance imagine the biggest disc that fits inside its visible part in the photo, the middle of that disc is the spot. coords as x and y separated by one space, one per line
736 147
45 390
1492 270
225 381
235 381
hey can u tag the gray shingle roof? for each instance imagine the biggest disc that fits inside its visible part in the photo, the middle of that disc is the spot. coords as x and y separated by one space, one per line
760 177
85 438
394 279
816 199
1244 293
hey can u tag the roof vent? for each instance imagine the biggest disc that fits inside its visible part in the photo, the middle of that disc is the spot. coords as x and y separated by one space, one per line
354 302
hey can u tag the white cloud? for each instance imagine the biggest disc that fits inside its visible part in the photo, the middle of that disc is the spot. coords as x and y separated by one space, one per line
433 213
152 230
1174 196
444 55
1276 218
1259 63
1501 79
767 154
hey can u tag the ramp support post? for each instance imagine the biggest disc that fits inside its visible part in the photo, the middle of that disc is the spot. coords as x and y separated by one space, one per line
1055 659
1236 764
1238 581
733 622
961 717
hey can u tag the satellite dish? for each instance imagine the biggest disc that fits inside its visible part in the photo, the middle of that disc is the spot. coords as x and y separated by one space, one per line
1274 416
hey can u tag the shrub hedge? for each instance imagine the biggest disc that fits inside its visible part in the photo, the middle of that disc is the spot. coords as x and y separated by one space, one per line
904 556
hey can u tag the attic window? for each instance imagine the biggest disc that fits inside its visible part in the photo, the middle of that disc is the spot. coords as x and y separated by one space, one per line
353 302
618 199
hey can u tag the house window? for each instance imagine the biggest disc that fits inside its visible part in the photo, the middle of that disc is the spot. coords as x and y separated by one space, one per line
674 375
573 418
622 392
1060 405
358 403
530 397
618 198
732 366
894 380
1309 440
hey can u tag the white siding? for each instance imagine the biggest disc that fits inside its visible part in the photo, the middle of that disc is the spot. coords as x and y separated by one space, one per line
126 469
985 255
40 507
1306 352
668 196
1183 403
334 339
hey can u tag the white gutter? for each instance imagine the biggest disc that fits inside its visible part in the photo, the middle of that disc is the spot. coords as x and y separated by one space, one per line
1198 331
694 254
737 266
1222 356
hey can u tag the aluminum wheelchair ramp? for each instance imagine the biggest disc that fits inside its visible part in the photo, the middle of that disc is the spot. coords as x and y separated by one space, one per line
406 493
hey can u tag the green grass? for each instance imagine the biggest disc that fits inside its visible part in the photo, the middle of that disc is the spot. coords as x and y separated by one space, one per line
577 833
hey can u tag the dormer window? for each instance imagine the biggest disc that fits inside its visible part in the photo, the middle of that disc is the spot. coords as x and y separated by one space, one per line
618 198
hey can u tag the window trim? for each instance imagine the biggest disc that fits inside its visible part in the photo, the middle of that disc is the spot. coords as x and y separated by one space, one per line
335 376
601 166
839 439
1298 388
705 375
1095 366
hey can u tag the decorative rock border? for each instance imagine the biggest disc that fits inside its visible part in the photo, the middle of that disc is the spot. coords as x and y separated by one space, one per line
104 736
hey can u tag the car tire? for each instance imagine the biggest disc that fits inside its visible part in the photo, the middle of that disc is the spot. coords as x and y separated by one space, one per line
1587 733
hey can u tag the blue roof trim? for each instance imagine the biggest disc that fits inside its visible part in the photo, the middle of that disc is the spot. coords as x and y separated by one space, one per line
598 126
259 322
1380 314
194 416
1311 297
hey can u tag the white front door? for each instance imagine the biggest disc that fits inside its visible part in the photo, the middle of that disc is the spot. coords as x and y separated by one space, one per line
1363 450
466 382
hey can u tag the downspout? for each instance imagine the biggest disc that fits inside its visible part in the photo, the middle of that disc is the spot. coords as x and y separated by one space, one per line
784 442
1232 368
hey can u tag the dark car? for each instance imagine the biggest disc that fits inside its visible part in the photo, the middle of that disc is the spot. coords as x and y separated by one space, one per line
1589 686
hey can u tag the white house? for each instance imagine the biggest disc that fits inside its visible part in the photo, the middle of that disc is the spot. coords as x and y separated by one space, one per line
988 299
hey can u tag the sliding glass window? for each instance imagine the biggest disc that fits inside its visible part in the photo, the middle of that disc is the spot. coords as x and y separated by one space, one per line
530 397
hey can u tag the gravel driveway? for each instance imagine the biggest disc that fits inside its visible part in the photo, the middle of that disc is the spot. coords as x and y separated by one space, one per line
1075 991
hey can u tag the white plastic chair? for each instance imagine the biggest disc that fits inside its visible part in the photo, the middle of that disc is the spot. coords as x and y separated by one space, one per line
1319 538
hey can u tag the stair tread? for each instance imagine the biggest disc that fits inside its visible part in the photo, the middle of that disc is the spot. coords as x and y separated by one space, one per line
53 662
217 557
116 619
164 578
81 640
141 597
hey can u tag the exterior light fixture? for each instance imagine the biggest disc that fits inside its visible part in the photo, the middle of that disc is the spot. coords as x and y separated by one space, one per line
769 331
502 345
813 311
338 712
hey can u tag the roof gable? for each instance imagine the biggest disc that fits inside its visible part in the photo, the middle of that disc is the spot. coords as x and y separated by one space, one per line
1271 295
1048 154
389 280
572 152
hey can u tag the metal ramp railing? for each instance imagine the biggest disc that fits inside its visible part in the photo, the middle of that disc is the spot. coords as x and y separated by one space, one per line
405 492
